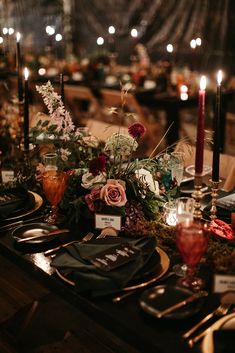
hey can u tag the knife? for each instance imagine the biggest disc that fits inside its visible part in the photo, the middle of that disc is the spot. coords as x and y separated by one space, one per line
18 223
182 303
43 236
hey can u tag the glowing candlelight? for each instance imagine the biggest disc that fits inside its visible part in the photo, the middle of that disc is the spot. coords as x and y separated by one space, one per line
19 69
200 127
216 140
26 109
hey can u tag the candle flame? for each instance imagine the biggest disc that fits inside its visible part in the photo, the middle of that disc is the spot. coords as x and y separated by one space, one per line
26 73
219 77
18 35
203 83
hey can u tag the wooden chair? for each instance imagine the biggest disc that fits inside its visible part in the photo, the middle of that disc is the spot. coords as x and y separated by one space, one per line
81 102
103 130
227 166
112 98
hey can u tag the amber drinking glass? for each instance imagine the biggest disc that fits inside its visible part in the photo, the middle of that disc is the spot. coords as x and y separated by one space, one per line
191 241
54 184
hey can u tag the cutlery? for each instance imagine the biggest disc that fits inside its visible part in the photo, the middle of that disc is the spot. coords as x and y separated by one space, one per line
43 235
182 303
18 223
197 338
220 311
128 294
87 237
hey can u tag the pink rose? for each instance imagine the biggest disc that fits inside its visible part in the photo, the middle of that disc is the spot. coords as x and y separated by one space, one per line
91 198
113 193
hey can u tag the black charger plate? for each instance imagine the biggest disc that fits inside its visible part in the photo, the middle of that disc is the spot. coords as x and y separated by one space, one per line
159 298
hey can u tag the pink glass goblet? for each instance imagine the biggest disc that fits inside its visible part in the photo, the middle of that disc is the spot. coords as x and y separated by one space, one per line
191 241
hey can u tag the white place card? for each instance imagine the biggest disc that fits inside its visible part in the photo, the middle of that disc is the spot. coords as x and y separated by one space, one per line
7 175
223 283
106 220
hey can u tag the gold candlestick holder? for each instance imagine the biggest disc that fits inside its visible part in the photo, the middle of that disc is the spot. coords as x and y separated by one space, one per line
214 194
197 195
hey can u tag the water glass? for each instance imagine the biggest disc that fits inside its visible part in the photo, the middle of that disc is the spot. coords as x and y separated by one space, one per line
169 213
50 161
184 209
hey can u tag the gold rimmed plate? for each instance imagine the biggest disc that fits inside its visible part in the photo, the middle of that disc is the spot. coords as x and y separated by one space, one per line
38 201
161 270
227 322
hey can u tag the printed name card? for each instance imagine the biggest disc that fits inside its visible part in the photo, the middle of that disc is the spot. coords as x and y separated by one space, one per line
115 256
7 175
223 283
106 220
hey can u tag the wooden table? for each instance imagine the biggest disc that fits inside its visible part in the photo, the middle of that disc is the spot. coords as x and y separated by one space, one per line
124 322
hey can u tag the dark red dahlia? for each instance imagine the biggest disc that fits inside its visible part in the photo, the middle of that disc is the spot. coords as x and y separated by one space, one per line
137 130
98 164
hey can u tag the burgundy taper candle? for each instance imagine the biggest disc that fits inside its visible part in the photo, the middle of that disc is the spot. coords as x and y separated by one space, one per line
200 127
216 139
26 110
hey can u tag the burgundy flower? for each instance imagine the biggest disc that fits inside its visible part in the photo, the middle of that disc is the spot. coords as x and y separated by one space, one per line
137 130
70 171
98 164
90 199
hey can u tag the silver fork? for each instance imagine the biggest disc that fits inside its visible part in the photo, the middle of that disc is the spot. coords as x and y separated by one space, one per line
220 311
87 237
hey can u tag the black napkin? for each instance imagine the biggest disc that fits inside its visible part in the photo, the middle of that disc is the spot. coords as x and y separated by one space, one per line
224 341
12 200
74 263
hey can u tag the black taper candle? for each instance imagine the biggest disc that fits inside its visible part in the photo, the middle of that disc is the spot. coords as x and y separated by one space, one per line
26 111
62 87
216 138
19 68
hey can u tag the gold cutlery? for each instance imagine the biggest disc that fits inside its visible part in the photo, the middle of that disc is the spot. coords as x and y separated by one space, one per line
220 311
43 235
87 237
182 303
19 223
128 294
197 338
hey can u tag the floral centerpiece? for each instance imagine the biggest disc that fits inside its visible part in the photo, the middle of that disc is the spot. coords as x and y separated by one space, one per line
104 179
57 131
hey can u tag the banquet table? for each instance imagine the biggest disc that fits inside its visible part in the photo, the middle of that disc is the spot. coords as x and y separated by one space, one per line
135 330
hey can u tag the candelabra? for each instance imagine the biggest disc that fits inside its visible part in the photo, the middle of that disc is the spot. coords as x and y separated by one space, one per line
197 195
214 194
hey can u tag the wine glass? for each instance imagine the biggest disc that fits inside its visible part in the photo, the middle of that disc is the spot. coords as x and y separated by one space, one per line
177 166
184 213
191 241
54 184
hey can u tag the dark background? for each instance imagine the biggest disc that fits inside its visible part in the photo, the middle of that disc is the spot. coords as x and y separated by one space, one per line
159 22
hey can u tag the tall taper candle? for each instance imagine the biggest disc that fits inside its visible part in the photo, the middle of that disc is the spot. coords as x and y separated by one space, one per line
216 139
62 87
26 110
200 128
19 67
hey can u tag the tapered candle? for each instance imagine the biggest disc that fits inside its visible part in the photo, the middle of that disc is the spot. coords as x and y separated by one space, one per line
200 127
26 109
216 139
62 87
19 67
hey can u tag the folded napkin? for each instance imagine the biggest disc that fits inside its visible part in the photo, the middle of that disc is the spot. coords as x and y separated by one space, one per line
74 262
224 341
12 200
